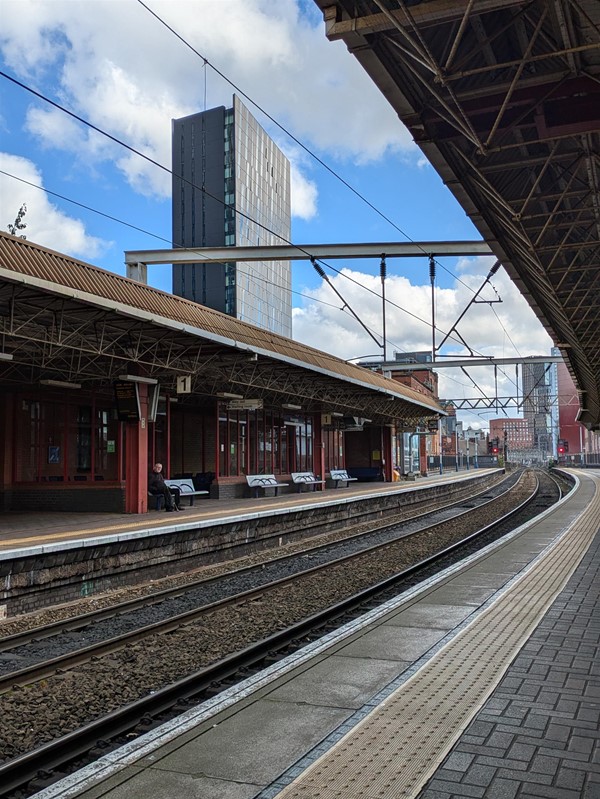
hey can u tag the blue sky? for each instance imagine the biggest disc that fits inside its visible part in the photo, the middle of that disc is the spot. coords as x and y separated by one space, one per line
112 63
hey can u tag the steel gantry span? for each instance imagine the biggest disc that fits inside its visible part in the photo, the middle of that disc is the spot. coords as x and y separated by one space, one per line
63 319
503 97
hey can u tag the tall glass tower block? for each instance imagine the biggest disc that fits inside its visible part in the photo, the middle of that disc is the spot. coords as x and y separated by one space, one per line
231 187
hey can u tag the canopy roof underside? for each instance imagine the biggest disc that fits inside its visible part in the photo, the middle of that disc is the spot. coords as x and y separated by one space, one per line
63 319
503 97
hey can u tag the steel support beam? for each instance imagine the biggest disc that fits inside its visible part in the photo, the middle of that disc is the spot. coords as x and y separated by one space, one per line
452 363
303 252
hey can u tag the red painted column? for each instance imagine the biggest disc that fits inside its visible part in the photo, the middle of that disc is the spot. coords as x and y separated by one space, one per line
318 447
7 438
387 453
136 458
423 455
217 442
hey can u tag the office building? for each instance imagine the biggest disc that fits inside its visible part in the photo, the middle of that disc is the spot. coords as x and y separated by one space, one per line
245 202
537 404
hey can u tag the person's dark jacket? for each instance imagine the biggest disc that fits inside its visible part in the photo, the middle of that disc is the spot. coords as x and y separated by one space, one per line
156 483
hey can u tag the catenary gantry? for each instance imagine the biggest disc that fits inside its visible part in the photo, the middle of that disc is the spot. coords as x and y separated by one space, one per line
503 97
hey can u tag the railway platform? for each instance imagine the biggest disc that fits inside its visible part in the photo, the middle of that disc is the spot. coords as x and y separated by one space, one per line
43 529
481 682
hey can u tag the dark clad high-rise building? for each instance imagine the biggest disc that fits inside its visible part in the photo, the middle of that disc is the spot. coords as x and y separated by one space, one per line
537 403
235 191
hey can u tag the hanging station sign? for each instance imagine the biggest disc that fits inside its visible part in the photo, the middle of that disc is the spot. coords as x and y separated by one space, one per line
245 405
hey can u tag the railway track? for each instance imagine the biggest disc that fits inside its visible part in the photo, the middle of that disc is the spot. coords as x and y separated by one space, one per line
274 629
128 618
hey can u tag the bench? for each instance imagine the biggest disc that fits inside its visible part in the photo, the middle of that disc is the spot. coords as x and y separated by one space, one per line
264 481
340 476
306 479
186 489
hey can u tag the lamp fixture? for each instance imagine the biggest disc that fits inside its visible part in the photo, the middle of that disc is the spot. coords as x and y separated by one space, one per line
5 356
60 384
138 379
289 407
229 395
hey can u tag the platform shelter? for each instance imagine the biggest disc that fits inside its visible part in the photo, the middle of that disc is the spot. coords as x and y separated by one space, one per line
101 376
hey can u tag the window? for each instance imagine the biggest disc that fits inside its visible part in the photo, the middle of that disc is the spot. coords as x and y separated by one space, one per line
61 441
263 442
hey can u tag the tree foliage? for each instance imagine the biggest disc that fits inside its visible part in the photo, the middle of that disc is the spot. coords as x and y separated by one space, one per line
18 223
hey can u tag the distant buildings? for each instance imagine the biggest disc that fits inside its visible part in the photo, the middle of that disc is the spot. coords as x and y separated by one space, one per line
549 429
231 187
573 439
515 433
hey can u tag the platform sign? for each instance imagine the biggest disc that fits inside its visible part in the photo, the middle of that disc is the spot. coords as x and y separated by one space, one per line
432 425
245 405
184 384
127 399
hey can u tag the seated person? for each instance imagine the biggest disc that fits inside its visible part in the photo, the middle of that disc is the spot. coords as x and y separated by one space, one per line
157 485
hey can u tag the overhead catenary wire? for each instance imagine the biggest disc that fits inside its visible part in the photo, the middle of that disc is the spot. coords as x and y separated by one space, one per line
275 122
207 63
142 230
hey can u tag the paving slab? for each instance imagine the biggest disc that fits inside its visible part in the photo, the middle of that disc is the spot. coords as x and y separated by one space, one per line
157 784
440 617
391 642
237 751
345 682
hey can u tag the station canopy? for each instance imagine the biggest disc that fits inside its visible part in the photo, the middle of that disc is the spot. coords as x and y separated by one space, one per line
65 320
503 97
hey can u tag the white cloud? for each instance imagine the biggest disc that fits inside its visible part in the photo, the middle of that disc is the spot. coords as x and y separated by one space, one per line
304 194
114 64
46 224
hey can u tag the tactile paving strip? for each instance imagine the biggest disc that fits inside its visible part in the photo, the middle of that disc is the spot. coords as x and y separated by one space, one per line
394 750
